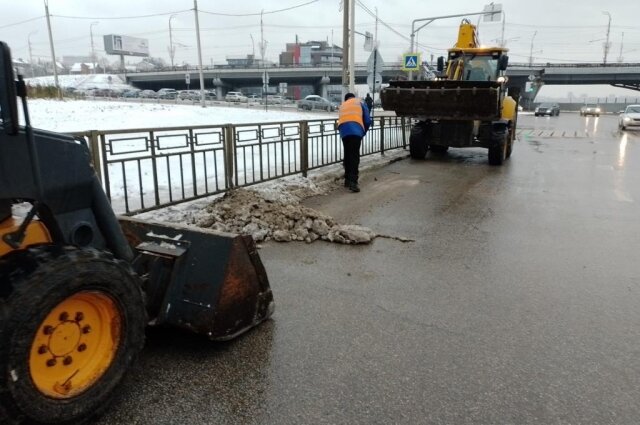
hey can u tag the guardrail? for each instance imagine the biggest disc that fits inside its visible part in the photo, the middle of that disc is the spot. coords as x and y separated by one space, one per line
149 168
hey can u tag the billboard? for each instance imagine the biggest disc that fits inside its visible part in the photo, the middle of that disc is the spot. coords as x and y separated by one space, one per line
125 45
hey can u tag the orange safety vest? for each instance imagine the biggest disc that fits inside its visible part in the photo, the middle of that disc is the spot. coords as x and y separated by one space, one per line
351 111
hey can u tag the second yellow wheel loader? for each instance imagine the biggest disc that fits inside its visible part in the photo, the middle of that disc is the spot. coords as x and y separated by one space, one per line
467 105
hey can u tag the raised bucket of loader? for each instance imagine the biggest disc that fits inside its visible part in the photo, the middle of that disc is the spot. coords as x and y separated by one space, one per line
444 99
207 282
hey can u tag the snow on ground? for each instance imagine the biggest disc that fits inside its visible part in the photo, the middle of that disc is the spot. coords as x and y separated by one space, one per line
82 82
82 115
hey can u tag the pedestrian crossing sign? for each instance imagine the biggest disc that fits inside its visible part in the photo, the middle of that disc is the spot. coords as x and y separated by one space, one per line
410 61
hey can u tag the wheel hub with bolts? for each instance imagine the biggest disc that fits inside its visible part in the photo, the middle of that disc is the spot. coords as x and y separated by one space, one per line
75 344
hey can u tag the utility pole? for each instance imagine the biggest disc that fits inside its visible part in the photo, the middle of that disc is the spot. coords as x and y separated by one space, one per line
620 58
31 54
53 52
93 50
263 49
195 9
375 60
345 47
331 63
352 48
531 50
606 43
504 19
172 49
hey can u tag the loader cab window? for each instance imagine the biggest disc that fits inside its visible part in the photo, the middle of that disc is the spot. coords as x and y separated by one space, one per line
480 68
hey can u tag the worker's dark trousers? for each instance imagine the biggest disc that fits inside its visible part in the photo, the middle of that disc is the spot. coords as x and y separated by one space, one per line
351 161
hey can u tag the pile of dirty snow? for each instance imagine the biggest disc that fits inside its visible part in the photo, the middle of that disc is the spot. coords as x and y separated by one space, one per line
281 218
273 210
270 211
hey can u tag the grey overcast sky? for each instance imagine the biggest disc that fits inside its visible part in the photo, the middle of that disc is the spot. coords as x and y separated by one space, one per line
566 30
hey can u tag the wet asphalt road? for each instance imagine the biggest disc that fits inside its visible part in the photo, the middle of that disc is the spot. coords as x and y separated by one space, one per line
518 302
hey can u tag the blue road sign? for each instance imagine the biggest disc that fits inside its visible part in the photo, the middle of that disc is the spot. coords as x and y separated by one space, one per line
411 62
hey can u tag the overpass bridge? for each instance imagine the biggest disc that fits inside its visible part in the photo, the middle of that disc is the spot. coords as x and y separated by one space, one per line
624 75
319 79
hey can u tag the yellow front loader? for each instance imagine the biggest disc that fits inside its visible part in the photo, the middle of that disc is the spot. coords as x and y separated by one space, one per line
466 105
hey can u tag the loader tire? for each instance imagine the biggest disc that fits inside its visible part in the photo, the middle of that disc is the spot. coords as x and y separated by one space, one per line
418 142
498 152
71 323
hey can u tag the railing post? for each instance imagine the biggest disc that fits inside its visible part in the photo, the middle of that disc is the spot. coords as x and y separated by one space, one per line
304 147
229 154
192 143
381 135
94 146
404 133
154 167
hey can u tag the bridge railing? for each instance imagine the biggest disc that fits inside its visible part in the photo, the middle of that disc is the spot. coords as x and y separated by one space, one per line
148 168
573 65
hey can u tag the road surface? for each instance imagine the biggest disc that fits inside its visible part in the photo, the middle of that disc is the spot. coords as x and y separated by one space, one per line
518 302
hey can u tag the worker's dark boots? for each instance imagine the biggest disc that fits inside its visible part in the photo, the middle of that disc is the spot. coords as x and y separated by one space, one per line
353 186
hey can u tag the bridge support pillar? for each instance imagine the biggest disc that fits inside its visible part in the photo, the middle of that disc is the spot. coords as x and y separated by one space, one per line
323 87
527 98
219 85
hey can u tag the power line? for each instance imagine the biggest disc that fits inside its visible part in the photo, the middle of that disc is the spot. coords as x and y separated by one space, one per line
366 9
121 17
21 22
259 13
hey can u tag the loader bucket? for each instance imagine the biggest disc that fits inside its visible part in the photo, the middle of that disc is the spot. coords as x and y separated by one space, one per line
204 281
443 100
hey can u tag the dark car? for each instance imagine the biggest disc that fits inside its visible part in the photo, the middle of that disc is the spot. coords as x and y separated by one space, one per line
551 109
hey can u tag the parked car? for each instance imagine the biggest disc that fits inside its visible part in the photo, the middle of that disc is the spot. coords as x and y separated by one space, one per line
551 109
189 95
167 93
148 94
131 93
253 98
235 96
273 99
590 110
316 102
630 117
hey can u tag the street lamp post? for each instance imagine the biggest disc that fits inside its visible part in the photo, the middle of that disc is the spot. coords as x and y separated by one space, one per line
620 58
93 50
606 43
531 50
427 21
31 54
202 96
172 50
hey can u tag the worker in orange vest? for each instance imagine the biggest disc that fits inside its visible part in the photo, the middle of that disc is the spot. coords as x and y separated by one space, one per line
353 123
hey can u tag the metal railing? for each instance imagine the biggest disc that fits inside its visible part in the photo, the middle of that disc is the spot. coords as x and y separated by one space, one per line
145 169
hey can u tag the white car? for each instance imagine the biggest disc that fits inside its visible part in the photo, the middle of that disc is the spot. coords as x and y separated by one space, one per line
235 96
316 102
590 110
630 117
